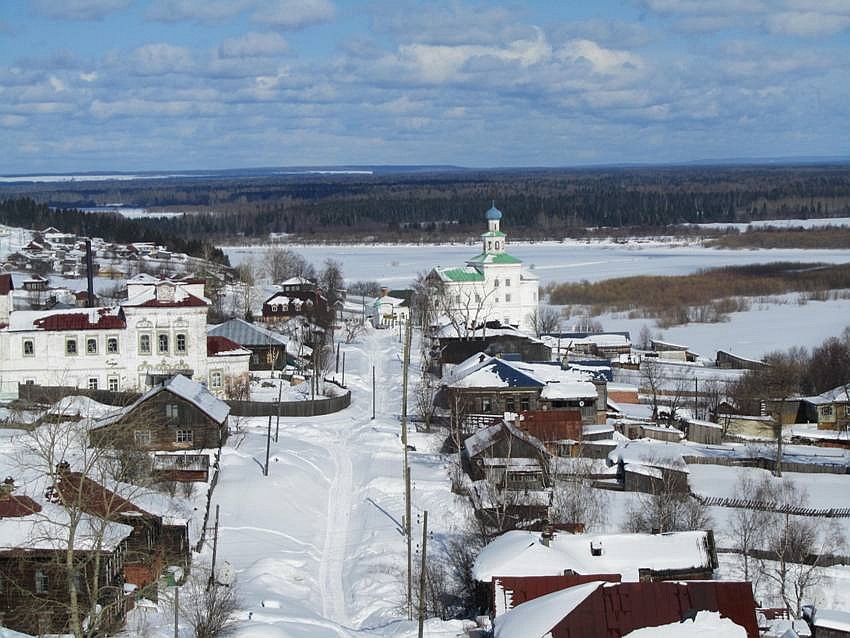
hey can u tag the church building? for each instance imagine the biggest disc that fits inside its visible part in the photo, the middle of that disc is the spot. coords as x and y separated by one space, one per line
492 286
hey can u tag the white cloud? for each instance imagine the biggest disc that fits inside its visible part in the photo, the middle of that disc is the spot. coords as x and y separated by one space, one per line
79 9
12 121
602 60
196 10
445 63
254 45
294 14
89 77
160 58
807 23
57 84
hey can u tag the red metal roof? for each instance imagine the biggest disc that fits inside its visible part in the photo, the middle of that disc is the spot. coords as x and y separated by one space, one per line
525 588
93 498
614 611
188 300
15 506
6 284
552 425
106 320
220 344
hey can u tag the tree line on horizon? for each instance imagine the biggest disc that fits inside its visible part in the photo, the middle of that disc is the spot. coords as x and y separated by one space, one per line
536 203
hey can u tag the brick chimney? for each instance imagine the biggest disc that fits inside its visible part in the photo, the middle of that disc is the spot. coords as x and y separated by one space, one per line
548 534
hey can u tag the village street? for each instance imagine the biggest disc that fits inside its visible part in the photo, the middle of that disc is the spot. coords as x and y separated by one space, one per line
317 545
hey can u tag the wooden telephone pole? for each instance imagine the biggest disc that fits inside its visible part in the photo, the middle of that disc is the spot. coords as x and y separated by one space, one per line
422 571
406 471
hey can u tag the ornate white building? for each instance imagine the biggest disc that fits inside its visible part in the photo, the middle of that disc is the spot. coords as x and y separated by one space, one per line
492 286
159 331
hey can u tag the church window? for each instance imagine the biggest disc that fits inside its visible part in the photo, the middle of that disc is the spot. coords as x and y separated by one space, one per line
477 298
507 299
496 283
497 245
29 348
489 245
507 282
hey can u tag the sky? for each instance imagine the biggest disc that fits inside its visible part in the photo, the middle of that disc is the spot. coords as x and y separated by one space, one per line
131 85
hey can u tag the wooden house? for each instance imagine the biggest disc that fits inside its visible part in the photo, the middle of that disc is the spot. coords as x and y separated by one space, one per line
298 297
151 546
179 414
268 348
831 409
507 457
35 595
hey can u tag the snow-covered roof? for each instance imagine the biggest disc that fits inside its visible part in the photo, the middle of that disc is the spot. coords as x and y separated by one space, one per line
486 437
662 454
182 387
832 619
707 624
108 318
48 530
224 347
485 371
387 299
521 553
297 281
155 295
247 334
841 394
536 618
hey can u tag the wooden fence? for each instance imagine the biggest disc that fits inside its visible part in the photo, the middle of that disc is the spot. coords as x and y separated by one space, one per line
779 508
765 463
321 405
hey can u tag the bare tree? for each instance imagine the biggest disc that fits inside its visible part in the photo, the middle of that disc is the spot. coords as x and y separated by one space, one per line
747 526
281 264
425 393
353 329
209 609
653 375
575 500
781 380
668 508
797 546
545 320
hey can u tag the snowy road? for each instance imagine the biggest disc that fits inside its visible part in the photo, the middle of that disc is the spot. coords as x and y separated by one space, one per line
316 544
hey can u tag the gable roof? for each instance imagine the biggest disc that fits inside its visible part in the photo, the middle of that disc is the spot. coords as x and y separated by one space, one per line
521 553
463 273
488 436
180 386
222 347
93 498
494 258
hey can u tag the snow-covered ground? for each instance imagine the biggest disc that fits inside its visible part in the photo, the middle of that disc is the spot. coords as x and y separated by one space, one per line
781 223
316 545
572 260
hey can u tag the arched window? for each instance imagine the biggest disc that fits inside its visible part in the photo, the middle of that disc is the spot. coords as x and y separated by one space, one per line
497 245
145 344
489 245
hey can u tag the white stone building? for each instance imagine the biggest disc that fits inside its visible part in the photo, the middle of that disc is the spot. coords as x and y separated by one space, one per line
159 331
492 286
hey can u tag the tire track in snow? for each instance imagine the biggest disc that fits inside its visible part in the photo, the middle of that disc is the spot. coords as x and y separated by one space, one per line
336 537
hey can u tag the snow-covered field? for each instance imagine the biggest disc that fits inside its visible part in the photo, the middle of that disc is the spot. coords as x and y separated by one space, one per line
781 223
396 266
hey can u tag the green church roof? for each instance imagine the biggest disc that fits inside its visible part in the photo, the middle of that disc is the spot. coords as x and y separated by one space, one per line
493 233
462 274
494 258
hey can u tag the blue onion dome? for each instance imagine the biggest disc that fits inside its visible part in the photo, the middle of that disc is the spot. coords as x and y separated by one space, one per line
494 214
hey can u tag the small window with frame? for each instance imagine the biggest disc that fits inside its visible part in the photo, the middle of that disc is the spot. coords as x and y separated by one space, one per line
92 383
112 345
172 411
181 343
162 344
29 348
91 345
142 437
184 436
71 347
145 344
112 384
42 582
215 379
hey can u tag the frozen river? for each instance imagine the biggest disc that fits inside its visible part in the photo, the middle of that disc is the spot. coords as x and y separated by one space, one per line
396 265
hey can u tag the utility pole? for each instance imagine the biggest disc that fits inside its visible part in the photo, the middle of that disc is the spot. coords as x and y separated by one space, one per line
373 393
176 610
336 370
406 470
422 574
211 581
268 446
343 368
279 395
696 398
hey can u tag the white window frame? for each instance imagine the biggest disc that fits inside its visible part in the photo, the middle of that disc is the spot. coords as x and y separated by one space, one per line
172 411
69 341
216 374
149 349
90 340
42 581
113 381
184 436
142 437
117 345
92 383
24 352
159 348
177 348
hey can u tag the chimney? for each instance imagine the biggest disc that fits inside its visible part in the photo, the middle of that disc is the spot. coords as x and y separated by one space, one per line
89 275
548 534
6 488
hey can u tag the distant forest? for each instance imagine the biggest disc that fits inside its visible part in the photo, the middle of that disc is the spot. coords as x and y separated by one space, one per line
450 205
